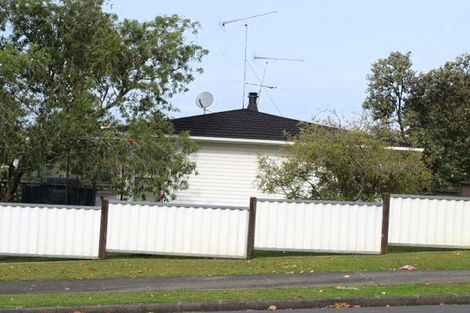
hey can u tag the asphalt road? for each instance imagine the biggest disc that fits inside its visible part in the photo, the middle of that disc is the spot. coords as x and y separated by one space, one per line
403 309
235 282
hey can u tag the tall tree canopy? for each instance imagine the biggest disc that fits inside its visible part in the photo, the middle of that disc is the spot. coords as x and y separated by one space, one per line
440 105
389 87
337 164
431 109
76 83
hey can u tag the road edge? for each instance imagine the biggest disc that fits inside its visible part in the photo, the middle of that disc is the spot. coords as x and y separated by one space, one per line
251 305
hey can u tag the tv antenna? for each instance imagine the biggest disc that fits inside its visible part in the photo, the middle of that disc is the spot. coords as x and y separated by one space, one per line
268 60
245 23
204 100
262 86
278 59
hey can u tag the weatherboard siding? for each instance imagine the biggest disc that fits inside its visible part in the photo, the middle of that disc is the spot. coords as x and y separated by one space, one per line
226 174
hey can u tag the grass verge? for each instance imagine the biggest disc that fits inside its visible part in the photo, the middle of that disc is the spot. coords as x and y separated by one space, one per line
134 266
45 300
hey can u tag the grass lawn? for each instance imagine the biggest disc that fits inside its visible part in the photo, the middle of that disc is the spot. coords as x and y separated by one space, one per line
35 300
264 263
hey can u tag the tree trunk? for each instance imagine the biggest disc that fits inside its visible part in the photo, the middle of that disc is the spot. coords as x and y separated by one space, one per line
8 194
399 116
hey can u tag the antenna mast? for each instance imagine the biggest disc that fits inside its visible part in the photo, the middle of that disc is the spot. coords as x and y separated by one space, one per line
244 19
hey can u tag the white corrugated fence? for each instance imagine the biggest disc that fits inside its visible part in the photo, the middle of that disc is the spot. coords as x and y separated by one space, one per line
231 231
49 230
329 226
178 229
433 221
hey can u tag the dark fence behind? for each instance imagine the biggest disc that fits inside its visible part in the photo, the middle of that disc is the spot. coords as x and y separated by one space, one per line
56 194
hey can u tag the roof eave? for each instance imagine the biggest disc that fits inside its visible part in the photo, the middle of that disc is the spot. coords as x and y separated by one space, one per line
241 140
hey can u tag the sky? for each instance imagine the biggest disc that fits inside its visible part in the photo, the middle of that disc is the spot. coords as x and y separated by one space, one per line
337 40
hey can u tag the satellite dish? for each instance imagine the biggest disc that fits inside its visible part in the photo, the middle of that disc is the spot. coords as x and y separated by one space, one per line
204 100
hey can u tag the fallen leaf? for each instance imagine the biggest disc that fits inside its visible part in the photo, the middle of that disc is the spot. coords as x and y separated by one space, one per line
341 305
408 268
272 307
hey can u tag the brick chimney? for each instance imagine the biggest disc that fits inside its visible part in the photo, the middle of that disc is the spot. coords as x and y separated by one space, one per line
253 101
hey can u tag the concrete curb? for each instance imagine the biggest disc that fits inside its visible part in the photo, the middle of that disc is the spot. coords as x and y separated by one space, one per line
251 305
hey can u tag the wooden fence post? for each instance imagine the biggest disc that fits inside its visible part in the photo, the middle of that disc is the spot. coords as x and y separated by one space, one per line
250 252
385 223
103 228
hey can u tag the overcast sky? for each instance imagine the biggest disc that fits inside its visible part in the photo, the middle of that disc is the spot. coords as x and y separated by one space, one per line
338 41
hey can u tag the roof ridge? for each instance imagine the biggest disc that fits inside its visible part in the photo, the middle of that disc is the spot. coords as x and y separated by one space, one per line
241 110
207 114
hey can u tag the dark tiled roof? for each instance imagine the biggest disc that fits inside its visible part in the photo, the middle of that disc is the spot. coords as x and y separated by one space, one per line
242 123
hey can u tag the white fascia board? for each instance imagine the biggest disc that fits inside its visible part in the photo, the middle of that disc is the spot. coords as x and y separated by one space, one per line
275 142
405 149
241 141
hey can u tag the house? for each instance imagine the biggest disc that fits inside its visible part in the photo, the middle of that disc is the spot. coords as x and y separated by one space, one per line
230 143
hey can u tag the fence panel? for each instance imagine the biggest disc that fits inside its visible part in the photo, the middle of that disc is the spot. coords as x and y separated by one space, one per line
343 227
178 229
49 230
433 221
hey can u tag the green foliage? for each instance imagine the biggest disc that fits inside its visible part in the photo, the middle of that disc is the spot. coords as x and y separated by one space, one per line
71 75
336 164
440 105
388 90
432 110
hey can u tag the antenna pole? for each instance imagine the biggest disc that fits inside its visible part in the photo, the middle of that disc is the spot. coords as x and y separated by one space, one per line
244 66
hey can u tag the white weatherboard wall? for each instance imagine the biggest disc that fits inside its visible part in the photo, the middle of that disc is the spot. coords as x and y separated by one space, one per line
177 229
49 230
343 227
432 221
227 173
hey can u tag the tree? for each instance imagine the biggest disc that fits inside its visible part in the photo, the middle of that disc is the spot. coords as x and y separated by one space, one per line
341 164
388 90
440 107
76 82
